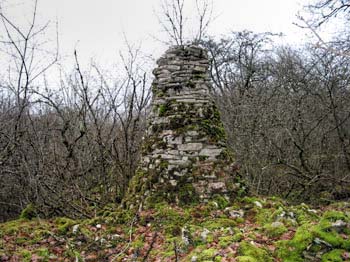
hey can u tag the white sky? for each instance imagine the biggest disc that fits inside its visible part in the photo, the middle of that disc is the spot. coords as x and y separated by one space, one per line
96 27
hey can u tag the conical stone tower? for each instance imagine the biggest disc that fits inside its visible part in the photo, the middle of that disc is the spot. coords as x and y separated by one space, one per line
184 155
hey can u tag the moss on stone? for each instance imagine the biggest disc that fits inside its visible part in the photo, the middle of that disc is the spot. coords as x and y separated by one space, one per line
10 227
26 255
21 240
163 109
176 123
275 229
291 250
198 76
29 212
221 201
170 219
334 215
325 230
246 259
250 250
157 92
20 225
43 253
213 129
226 154
218 223
205 255
120 216
262 215
225 241
191 84
304 214
187 194
313 237
333 256
64 224
238 237
138 186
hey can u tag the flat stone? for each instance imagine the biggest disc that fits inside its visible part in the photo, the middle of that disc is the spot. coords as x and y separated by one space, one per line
158 101
210 152
192 133
258 204
277 224
174 152
167 133
161 120
236 213
187 96
179 162
190 147
200 68
339 225
187 100
175 140
169 157
172 67
216 186
210 176
171 167
188 139
158 151
179 174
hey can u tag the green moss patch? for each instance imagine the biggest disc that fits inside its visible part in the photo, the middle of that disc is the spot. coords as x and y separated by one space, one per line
168 232
29 212
275 229
249 250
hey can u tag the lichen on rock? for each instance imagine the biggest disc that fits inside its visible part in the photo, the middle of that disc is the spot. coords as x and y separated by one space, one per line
185 158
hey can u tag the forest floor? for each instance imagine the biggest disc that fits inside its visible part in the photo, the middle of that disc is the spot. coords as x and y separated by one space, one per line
248 230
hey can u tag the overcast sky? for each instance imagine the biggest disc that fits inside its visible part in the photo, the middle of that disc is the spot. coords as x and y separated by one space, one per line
96 27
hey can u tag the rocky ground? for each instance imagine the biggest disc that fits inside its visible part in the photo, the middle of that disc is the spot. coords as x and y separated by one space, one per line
249 230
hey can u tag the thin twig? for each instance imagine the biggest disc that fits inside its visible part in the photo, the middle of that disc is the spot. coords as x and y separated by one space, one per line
154 238
130 239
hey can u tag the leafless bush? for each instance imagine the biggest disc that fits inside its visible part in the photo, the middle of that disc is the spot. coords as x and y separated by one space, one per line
287 116
71 148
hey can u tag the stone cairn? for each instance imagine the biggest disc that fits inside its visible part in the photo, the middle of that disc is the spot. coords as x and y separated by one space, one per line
184 157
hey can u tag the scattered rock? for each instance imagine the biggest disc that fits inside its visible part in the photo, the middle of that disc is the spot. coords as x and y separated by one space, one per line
204 234
258 204
235 213
185 236
216 186
339 225
75 229
319 241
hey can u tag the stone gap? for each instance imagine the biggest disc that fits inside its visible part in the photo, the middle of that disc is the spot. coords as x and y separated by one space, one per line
184 157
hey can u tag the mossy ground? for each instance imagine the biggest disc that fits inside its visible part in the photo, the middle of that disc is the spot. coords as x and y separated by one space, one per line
242 231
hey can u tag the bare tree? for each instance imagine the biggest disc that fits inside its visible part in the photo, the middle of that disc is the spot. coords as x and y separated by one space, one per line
322 12
205 15
21 48
69 149
325 10
173 25
286 114
179 27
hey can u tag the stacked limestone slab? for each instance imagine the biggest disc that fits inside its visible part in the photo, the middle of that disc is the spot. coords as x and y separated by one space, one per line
184 157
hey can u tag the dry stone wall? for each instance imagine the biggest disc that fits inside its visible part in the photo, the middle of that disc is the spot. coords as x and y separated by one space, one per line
184 158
